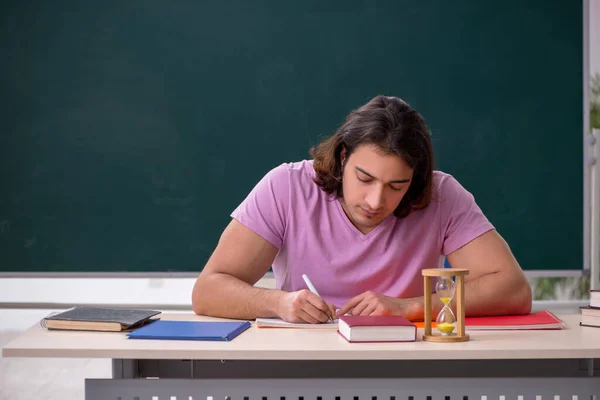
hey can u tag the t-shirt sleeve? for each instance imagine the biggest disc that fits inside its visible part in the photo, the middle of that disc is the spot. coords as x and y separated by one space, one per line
461 218
265 209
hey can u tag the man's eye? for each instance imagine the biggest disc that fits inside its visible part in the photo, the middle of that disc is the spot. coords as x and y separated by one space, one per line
396 188
364 180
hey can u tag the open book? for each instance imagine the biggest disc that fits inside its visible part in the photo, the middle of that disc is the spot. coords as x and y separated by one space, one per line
279 323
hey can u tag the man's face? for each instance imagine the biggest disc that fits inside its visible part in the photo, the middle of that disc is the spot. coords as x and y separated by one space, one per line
373 186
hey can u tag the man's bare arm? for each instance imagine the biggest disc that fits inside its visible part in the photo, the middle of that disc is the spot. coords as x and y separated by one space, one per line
496 285
225 287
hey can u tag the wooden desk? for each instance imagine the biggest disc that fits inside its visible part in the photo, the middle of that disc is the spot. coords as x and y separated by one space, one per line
281 362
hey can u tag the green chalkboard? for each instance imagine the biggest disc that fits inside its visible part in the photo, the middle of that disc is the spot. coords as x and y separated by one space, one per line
130 130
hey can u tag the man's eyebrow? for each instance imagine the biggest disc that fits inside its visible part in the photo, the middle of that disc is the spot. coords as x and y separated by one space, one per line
394 181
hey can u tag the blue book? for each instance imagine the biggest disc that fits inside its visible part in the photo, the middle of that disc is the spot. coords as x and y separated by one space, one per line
191 330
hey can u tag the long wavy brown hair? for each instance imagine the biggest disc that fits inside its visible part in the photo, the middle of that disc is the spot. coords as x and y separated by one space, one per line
395 128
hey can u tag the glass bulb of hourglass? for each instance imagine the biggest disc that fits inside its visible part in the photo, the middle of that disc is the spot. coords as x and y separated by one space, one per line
445 288
445 321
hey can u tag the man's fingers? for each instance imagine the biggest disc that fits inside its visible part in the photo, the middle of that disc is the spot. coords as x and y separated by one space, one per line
370 309
317 308
332 311
307 317
329 310
358 310
353 302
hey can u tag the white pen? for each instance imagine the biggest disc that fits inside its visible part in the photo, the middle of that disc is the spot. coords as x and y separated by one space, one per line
314 290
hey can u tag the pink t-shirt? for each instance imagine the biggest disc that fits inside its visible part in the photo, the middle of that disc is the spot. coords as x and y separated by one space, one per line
315 237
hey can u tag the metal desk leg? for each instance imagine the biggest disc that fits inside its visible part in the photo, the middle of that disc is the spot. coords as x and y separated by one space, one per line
124 369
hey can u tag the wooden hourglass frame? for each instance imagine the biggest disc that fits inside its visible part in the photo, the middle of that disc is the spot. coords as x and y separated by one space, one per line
459 295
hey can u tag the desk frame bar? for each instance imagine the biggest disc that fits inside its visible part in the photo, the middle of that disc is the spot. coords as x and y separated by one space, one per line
281 369
343 389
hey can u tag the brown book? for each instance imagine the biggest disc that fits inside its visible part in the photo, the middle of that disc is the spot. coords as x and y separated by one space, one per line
99 319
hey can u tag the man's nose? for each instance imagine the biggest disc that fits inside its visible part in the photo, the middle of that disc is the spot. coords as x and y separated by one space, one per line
375 198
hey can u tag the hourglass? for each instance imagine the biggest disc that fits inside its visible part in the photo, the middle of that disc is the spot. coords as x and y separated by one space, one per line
447 290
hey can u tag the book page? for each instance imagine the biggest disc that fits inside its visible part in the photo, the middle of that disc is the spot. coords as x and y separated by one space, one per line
279 323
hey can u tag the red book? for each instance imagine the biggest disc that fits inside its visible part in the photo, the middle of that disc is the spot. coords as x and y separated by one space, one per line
381 328
537 320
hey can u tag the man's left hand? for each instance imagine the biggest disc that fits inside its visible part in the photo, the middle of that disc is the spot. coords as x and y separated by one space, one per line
371 303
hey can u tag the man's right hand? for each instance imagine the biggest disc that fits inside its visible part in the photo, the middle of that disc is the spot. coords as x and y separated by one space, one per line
304 306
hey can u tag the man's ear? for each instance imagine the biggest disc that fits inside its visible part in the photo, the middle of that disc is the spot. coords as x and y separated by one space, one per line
342 156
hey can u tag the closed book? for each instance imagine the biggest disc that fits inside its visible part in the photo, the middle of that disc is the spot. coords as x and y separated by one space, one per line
98 319
380 328
589 326
590 316
590 320
595 298
537 320
221 331
589 310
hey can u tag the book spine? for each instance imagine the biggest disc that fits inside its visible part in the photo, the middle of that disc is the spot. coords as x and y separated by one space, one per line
239 330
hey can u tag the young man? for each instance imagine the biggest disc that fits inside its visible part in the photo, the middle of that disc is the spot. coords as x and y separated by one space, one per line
362 219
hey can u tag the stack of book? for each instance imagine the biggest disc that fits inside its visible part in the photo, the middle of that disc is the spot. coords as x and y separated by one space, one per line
590 315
